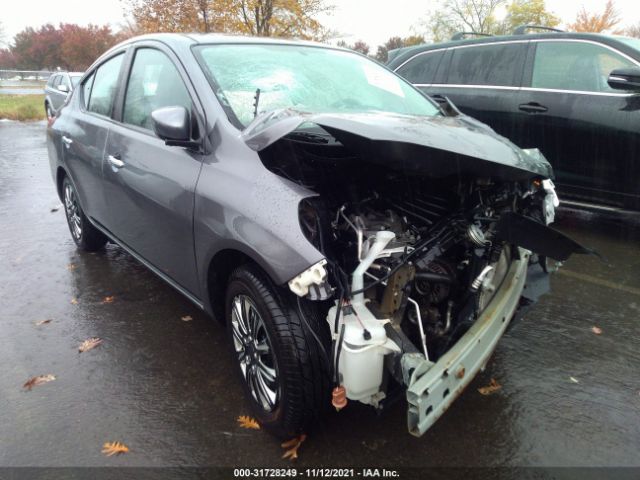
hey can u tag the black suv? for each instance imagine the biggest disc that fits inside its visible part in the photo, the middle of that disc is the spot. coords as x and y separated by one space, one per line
574 96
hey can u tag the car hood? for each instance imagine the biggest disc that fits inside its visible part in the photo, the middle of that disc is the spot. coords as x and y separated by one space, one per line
438 145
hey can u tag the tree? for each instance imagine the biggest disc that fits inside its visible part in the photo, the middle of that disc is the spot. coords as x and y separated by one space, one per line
358 46
174 15
528 12
35 49
479 17
129 28
393 43
281 18
362 47
68 46
597 22
263 18
80 46
633 31
7 60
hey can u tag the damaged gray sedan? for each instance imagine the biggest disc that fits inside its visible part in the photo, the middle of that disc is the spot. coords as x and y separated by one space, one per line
360 242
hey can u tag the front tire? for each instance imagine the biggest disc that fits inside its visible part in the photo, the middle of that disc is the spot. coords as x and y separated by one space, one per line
84 234
282 373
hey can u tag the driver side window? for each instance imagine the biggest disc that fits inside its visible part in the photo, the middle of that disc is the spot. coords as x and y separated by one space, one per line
154 82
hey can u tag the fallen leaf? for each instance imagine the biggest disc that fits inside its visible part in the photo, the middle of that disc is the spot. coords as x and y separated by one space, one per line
108 299
574 380
114 448
89 344
493 387
596 330
56 208
39 380
186 318
71 267
43 322
292 447
247 422
74 301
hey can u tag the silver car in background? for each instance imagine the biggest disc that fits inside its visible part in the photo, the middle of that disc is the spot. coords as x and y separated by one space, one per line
57 89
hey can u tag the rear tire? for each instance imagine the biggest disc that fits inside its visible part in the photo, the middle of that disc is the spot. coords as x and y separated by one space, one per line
84 234
300 389
49 111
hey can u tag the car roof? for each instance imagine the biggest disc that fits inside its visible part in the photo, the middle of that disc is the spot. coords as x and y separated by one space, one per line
612 41
218 38
190 39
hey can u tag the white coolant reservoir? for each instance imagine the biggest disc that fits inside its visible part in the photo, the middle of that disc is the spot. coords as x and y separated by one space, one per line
362 359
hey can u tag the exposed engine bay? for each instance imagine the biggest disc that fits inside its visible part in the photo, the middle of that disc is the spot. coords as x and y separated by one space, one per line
411 259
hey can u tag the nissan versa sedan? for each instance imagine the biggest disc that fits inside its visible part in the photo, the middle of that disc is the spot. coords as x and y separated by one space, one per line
360 242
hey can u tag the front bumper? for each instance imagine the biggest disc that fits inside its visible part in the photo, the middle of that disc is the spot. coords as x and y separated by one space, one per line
433 387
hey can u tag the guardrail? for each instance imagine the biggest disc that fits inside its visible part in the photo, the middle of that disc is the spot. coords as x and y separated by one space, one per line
24 76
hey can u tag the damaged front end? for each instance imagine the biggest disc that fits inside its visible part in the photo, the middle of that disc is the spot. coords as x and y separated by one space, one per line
427 227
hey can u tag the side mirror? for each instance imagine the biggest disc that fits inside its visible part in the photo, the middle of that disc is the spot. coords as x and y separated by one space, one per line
63 88
625 79
172 124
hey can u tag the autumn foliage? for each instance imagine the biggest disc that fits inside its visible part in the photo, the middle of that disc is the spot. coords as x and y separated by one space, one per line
67 46
597 22
263 18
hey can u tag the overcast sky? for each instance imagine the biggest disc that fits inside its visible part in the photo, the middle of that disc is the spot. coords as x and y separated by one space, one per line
373 21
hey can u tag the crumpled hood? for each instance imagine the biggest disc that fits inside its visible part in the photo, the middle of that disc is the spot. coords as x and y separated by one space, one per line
437 145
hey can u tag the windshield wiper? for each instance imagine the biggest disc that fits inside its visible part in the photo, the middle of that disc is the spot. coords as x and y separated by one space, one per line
309 137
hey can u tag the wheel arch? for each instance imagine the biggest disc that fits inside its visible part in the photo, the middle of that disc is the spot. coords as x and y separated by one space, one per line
219 269
60 174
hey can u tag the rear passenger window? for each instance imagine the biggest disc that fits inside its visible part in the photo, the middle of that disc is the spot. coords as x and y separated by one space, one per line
495 64
421 68
56 81
154 83
104 87
578 66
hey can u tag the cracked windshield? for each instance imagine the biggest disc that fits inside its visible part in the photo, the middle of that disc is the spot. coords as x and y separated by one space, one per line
309 79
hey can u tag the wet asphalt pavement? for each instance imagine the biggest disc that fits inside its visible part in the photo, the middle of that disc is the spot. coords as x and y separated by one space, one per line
166 387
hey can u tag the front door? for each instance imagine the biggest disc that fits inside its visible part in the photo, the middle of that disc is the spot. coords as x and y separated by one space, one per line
587 130
150 186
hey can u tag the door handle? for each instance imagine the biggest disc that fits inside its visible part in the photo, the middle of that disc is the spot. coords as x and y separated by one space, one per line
115 161
67 141
532 107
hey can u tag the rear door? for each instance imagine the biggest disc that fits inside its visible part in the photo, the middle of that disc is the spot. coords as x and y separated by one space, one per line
586 129
86 129
150 186
483 81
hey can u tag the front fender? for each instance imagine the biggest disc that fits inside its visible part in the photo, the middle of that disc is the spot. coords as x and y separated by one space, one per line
255 213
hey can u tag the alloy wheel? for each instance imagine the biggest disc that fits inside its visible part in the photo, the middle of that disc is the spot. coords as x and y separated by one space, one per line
255 353
72 209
